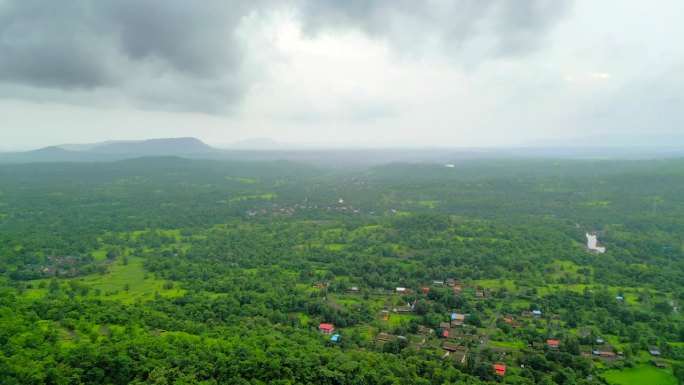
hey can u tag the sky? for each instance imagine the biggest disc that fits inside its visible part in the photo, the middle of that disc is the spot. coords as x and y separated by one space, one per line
384 73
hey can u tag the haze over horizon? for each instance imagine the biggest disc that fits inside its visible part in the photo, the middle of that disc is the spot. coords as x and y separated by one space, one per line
630 145
444 73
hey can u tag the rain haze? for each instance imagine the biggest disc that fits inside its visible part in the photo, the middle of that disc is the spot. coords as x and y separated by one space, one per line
384 73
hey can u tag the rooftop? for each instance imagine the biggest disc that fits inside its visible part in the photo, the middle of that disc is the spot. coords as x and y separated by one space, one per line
326 326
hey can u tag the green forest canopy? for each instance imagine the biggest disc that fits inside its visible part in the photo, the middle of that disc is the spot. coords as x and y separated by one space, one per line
168 270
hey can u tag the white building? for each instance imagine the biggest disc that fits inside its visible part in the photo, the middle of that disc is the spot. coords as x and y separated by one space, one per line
592 244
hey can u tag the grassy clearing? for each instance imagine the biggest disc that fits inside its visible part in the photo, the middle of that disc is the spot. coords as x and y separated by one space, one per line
370 227
639 375
398 319
630 294
258 196
353 299
496 284
141 284
100 254
520 304
595 204
567 268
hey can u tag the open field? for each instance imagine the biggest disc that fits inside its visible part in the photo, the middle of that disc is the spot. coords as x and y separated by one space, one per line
640 375
126 283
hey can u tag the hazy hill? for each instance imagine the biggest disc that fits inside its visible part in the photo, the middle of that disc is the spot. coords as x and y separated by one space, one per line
110 151
47 154
165 146
90 146
351 157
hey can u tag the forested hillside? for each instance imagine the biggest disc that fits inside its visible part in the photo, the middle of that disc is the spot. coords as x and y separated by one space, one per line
176 271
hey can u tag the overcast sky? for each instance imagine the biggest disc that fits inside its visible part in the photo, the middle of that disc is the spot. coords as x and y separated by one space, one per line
385 72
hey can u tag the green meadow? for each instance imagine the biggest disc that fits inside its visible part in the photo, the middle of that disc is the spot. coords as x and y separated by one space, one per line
126 283
640 375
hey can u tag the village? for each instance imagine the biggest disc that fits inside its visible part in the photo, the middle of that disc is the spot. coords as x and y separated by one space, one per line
460 338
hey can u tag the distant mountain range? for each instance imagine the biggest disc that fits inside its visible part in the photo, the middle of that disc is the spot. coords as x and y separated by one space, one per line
112 150
175 146
270 150
90 146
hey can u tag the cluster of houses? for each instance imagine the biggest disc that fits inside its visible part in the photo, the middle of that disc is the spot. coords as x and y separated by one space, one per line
401 290
450 282
455 339
454 342
456 352
457 319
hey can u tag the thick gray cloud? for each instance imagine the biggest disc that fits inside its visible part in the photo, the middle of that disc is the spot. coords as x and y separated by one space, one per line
157 54
471 30
52 44
186 55
192 37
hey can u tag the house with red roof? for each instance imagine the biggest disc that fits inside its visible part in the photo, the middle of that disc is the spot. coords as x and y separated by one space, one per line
511 321
326 328
500 369
552 344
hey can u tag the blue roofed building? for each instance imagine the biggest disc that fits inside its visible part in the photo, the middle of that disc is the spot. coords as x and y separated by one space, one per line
457 319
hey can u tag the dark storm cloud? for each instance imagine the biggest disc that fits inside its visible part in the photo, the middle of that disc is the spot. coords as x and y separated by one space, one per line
52 44
170 54
185 55
193 37
51 41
